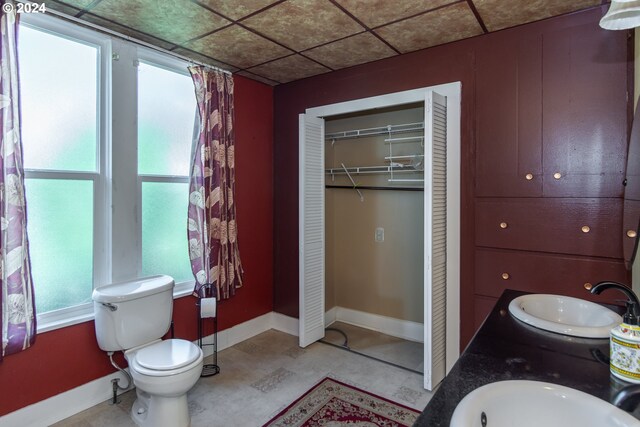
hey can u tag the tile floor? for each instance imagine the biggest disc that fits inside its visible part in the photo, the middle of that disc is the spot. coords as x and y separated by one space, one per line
263 375
408 354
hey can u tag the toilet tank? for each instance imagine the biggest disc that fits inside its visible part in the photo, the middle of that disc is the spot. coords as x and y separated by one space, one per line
132 313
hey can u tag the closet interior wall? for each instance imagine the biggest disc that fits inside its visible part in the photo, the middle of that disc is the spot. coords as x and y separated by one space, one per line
384 278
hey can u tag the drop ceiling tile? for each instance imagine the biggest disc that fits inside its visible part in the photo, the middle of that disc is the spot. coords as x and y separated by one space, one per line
291 68
358 49
257 78
174 21
374 13
126 31
204 59
239 47
496 15
301 24
237 9
444 25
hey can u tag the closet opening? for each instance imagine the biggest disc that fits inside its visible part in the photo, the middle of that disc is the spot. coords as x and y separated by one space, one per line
379 228
374 233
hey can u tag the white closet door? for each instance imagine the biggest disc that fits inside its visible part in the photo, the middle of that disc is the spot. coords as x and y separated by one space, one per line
435 239
311 233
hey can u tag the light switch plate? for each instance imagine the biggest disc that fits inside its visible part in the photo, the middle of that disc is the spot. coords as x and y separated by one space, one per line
379 237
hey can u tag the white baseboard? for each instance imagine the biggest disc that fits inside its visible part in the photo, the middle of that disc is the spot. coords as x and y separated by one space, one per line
68 403
286 324
63 405
405 329
330 316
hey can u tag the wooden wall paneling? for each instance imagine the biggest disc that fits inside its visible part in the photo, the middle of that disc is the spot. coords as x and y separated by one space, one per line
554 225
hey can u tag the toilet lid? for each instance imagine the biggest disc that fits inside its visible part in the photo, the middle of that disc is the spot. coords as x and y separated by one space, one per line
167 355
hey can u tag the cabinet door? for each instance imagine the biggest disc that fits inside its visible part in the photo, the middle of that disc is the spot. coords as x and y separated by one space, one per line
571 226
497 270
584 112
509 115
630 230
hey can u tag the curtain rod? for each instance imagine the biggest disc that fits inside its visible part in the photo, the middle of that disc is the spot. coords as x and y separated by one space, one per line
130 39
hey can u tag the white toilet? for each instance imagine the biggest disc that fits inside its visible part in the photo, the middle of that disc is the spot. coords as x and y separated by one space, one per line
132 317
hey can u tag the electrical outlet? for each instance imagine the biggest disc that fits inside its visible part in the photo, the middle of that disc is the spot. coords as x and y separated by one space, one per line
379 236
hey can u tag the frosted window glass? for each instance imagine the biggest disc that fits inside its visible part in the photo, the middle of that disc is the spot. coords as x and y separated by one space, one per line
60 227
166 112
164 230
58 89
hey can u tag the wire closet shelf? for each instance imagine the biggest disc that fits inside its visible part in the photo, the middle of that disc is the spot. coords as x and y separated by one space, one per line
403 164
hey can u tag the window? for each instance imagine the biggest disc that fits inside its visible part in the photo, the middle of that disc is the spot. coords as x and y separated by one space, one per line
64 185
166 112
85 103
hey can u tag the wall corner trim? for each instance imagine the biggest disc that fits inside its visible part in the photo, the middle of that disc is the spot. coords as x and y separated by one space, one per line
71 402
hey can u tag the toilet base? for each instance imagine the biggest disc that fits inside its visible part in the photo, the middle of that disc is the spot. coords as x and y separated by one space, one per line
159 411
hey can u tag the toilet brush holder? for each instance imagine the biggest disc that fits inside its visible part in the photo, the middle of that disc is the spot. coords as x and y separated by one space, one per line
211 319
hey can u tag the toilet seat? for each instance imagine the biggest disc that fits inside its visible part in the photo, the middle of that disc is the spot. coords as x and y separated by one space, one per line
168 357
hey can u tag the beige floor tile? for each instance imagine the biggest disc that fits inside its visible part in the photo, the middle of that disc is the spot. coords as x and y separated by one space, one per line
263 375
408 354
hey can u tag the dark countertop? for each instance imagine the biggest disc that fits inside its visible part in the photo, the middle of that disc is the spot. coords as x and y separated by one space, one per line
506 349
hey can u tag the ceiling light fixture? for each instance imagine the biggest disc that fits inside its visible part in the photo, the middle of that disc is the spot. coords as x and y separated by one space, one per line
622 15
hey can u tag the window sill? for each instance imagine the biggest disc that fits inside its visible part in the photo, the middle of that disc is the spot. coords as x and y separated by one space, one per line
84 313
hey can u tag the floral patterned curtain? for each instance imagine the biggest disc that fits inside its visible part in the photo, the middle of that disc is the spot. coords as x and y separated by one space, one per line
212 227
17 304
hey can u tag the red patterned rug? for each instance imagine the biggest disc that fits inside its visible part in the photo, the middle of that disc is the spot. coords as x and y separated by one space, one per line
333 404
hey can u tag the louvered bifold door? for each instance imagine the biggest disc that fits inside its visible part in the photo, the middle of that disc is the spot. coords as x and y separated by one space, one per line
311 232
435 239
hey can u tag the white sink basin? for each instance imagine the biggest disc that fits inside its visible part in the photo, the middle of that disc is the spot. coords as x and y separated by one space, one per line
565 315
536 404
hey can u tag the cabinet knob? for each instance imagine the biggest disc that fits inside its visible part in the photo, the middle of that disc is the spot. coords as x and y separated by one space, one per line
630 233
503 225
505 276
557 175
528 176
585 229
588 286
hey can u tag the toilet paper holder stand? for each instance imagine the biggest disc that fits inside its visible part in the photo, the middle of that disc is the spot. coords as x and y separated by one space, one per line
208 369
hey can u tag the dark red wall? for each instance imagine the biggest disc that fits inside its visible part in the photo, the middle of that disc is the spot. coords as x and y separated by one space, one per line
69 357
458 62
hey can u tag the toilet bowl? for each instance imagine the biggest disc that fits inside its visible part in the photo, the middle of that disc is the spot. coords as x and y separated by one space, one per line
163 372
132 317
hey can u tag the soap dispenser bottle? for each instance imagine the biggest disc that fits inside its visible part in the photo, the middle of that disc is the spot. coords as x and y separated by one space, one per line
625 338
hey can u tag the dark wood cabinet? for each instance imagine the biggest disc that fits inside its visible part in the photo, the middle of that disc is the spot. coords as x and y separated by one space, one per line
509 118
584 112
482 307
630 229
497 270
586 226
552 114
551 145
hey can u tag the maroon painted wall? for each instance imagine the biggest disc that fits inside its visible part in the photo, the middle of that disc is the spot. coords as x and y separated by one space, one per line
69 357
452 62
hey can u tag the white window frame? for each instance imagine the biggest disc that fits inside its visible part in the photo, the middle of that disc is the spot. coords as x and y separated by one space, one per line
117 234
156 59
100 178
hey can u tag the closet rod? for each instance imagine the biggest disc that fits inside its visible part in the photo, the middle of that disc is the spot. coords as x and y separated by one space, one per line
369 187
